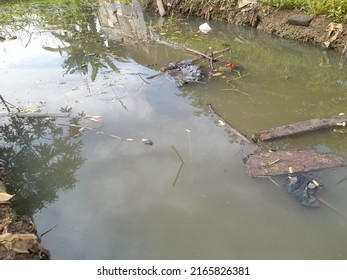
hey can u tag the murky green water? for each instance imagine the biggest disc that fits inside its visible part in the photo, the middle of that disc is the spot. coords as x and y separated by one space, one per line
110 196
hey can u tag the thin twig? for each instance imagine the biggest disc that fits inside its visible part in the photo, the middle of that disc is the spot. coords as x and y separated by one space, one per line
143 79
331 207
339 182
178 154
178 174
5 103
47 231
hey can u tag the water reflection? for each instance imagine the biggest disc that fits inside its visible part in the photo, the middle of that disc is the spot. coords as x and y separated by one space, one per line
127 200
42 158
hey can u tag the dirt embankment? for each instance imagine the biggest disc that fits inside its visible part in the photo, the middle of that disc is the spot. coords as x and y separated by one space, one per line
18 235
320 29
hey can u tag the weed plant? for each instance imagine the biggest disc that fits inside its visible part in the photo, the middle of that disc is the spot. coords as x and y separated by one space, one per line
337 9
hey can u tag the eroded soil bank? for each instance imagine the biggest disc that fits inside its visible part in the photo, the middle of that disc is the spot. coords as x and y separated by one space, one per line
18 236
321 29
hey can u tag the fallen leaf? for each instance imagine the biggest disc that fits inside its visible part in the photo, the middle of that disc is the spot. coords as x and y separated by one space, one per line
315 182
220 122
5 197
217 74
20 243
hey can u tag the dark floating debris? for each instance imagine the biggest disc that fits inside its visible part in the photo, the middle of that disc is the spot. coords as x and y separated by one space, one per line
186 71
303 188
294 164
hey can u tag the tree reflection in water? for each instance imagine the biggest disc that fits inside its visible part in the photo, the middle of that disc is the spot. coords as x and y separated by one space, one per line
41 157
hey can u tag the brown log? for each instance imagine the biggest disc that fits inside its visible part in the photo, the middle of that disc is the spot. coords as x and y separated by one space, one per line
269 163
299 127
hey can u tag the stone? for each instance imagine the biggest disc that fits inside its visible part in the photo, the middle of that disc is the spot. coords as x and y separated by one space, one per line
300 19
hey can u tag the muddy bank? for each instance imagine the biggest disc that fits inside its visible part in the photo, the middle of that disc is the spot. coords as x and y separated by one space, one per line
18 235
292 24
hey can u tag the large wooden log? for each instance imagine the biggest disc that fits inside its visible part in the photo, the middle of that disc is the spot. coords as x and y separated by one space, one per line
299 127
272 163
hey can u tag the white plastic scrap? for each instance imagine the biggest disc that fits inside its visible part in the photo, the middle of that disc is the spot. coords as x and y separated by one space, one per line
204 28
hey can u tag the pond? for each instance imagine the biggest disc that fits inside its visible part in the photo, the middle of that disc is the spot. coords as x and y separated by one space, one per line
141 169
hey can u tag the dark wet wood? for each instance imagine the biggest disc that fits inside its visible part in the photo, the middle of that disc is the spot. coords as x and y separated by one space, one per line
272 163
299 127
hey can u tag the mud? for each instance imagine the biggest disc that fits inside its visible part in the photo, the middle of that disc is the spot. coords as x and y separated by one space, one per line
18 237
320 31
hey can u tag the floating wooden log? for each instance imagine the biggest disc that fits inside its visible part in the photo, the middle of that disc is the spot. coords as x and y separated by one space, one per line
271 163
299 127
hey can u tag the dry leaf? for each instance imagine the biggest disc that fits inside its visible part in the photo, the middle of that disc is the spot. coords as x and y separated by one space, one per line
5 197
315 182
217 74
220 122
20 243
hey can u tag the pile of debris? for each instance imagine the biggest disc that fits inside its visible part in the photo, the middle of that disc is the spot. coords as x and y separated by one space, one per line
296 165
186 72
18 236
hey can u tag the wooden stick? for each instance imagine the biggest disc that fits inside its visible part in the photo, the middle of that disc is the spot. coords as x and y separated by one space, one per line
300 127
202 55
161 8
199 53
233 130
5 103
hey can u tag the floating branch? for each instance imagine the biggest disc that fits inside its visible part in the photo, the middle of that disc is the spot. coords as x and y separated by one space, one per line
221 121
272 163
300 127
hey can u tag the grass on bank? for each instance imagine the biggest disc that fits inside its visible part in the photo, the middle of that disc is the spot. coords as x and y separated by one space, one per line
337 9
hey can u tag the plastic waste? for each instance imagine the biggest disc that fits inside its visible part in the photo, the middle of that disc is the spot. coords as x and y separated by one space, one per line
205 28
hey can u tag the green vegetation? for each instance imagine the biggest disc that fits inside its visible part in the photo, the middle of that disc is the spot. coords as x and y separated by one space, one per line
13 11
334 8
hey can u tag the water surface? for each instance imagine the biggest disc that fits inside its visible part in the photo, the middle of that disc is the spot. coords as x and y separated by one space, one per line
187 196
